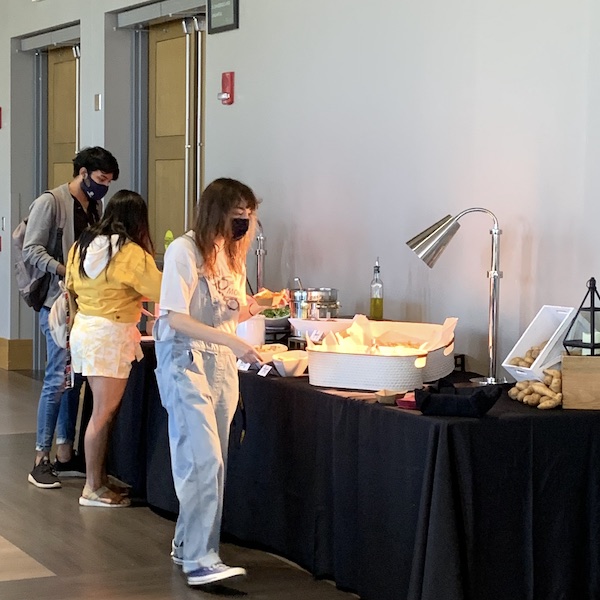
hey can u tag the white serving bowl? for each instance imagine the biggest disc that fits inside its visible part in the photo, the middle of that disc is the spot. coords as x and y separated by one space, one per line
267 351
292 363
276 322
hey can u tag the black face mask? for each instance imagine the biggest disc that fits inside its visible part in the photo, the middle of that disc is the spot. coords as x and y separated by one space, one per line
239 228
92 189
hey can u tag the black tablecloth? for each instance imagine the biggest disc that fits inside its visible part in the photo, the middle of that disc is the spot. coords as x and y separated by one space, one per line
392 504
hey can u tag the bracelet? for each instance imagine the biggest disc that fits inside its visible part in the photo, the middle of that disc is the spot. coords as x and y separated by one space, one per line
250 311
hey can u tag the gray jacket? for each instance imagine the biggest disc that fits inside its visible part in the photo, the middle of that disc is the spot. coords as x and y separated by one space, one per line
42 233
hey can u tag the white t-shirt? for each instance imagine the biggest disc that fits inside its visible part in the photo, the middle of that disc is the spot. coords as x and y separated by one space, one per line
179 290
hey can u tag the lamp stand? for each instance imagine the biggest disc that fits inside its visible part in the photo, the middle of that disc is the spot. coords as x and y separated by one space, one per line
494 275
260 252
428 246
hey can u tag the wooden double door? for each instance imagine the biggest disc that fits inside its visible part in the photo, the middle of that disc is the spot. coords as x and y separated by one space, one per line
174 128
175 145
62 134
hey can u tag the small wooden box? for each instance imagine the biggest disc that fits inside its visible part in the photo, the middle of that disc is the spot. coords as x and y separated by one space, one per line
581 382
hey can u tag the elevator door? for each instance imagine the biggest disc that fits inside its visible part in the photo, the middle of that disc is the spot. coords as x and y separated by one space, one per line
62 115
173 131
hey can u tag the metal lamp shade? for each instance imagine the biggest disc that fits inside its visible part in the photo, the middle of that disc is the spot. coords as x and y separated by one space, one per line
429 244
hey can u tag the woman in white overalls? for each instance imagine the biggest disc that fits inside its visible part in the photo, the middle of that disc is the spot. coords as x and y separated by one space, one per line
202 300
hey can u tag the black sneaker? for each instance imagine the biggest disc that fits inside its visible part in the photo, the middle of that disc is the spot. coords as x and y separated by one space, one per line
75 467
44 476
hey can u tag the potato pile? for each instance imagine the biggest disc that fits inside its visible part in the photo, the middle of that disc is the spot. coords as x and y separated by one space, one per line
543 394
529 358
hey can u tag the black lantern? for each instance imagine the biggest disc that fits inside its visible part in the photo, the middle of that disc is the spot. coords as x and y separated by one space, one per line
582 336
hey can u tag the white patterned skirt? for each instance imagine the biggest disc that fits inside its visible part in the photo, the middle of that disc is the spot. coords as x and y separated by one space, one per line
103 348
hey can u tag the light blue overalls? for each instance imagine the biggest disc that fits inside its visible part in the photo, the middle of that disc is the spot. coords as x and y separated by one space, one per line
198 384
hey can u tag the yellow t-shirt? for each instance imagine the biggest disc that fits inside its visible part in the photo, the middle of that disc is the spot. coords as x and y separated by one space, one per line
117 292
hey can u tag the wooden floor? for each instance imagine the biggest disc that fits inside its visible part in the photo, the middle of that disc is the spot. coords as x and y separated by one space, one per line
53 549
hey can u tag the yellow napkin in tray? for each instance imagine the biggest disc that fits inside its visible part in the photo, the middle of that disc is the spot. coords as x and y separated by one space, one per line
359 338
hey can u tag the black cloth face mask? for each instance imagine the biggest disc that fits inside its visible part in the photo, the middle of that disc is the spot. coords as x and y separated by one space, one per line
92 189
239 228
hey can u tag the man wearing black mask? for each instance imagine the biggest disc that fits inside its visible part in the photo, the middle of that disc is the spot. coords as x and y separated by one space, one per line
46 245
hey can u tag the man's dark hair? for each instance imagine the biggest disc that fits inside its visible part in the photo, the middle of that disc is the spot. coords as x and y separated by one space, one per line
96 159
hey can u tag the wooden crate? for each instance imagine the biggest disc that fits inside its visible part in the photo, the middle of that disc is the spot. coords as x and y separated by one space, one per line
581 382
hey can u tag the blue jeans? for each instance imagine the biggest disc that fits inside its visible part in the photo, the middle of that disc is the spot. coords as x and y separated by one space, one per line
57 408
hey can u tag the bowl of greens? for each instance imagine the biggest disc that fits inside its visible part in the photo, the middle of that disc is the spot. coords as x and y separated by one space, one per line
276 317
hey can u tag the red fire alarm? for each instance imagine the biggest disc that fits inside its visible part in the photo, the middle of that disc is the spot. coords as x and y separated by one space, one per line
227 87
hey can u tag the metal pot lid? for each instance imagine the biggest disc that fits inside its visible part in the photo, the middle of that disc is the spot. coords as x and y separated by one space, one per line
321 294
319 303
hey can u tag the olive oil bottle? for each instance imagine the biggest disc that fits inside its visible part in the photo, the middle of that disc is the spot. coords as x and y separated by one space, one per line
376 308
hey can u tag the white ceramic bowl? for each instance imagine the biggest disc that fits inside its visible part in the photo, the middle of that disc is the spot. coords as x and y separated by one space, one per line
276 322
267 351
292 363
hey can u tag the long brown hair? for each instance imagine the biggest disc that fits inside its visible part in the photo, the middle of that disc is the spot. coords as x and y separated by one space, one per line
212 221
126 215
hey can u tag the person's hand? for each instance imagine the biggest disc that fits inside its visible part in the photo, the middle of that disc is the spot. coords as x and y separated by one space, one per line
254 308
244 351
61 271
268 299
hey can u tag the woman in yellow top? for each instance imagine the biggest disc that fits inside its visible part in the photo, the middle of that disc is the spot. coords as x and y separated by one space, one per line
109 270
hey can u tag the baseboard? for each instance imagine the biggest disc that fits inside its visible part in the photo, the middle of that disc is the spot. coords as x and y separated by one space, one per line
16 355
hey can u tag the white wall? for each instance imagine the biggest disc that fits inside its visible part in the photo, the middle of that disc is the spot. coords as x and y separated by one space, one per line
105 57
362 123
359 124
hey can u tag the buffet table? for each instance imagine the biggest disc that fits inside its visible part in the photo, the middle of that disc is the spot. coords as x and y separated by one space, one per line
389 503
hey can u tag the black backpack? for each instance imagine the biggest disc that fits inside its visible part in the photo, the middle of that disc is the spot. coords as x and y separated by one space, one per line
33 283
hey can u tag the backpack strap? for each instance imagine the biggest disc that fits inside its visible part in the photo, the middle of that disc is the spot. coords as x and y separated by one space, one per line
61 218
61 213
61 195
